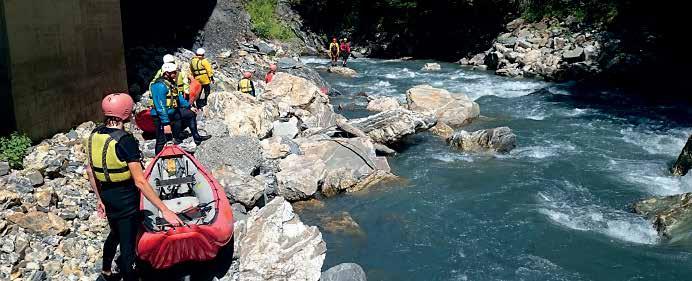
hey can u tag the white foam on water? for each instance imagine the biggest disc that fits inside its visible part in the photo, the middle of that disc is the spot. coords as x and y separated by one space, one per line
452 157
668 142
651 176
573 208
314 60
576 112
500 88
403 73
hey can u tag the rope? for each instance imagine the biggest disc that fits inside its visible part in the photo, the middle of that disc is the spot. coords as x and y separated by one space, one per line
354 151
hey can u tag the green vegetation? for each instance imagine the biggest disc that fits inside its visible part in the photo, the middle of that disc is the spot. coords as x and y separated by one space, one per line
595 11
265 22
14 148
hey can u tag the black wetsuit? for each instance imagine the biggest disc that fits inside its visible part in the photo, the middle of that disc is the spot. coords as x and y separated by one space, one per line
121 201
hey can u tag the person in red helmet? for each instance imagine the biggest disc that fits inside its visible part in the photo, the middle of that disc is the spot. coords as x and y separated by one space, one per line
116 176
246 86
270 75
334 50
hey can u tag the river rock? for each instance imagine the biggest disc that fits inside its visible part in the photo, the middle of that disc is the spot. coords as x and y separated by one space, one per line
341 223
35 178
299 176
242 114
292 90
279 147
452 109
671 215
344 71
8 198
244 189
273 244
44 196
242 153
498 140
287 129
40 223
321 114
383 104
442 130
574 55
393 125
344 272
431 67
4 168
684 162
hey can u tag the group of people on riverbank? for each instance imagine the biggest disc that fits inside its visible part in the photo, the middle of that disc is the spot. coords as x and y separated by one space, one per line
339 49
115 161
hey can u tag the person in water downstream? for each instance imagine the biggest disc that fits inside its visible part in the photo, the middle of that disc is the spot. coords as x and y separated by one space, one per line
116 175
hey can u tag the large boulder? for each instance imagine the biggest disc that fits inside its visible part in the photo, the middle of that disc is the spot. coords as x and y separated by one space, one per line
319 114
343 71
299 176
393 125
348 162
292 90
497 140
671 215
41 223
684 162
244 189
289 128
344 272
273 244
240 153
452 109
242 114
279 147
383 104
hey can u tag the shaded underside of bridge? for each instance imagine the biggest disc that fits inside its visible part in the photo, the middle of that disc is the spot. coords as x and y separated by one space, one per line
58 59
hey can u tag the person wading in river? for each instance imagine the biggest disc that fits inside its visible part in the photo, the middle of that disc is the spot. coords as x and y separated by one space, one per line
116 176
334 50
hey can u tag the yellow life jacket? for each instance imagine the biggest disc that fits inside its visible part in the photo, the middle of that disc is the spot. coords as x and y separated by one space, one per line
171 96
245 86
104 161
197 67
181 81
334 47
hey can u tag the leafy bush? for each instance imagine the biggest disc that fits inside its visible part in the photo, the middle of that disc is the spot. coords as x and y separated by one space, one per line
14 148
265 22
598 11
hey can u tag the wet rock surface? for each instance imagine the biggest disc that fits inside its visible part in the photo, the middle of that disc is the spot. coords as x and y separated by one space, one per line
496 140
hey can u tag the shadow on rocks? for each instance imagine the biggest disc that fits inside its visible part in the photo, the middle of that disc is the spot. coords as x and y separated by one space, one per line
195 271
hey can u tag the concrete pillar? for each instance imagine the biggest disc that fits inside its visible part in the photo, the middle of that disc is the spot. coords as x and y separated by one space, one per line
63 57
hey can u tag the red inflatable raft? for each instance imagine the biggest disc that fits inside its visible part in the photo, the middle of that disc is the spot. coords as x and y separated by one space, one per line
198 199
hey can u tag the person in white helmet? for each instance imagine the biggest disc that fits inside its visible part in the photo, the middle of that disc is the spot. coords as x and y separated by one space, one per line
202 71
171 111
182 82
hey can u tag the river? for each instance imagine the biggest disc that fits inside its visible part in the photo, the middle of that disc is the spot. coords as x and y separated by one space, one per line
555 208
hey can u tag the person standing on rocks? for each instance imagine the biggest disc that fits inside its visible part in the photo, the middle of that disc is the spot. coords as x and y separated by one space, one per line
270 75
334 50
202 71
182 82
171 111
246 86
116 175
345 50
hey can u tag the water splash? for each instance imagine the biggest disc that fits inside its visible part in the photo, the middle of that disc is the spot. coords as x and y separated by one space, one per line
574 208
